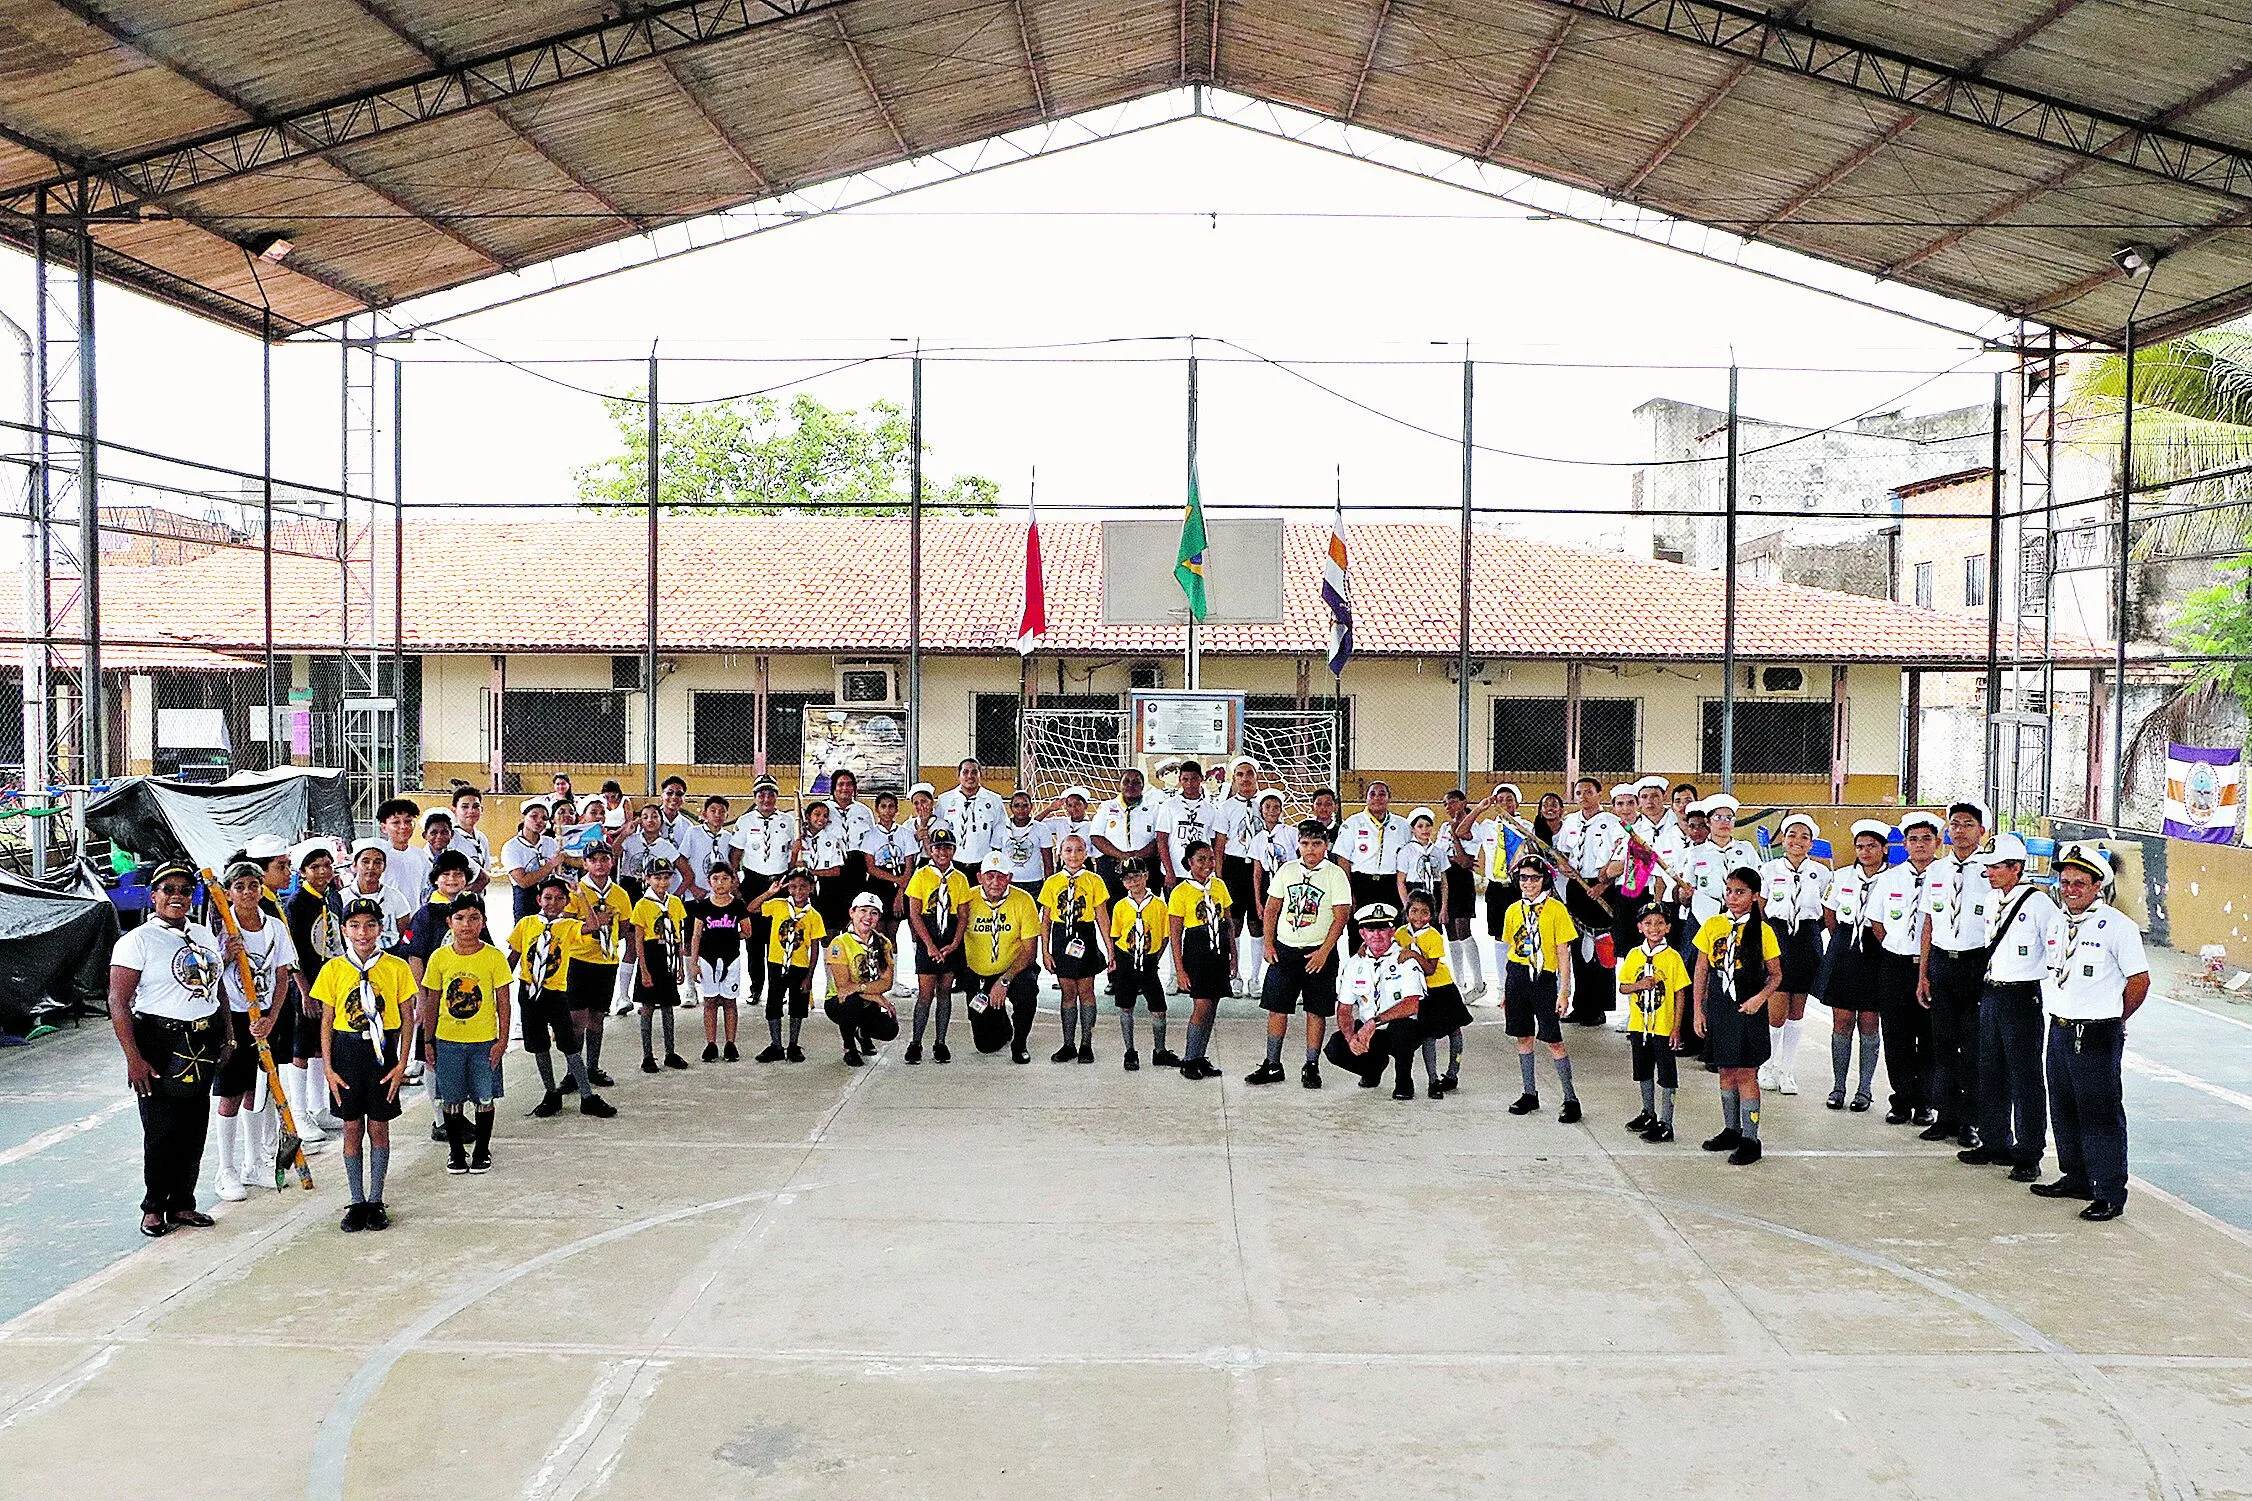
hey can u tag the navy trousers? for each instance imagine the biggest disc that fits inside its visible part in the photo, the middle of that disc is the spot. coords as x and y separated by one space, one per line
2091 1121
1907 1033
2013 1097
1954 1091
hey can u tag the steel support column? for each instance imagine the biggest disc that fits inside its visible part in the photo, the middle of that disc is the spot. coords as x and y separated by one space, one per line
1462 619
68 486
914 570
1993 775
399 581
653 467
1728 602
2119 573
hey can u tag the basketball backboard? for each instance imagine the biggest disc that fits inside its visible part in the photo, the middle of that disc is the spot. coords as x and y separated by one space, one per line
1242 572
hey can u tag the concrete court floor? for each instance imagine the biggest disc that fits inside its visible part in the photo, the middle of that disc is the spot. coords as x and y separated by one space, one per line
986 1281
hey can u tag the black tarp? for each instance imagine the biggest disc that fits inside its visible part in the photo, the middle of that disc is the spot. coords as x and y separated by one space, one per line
55 942
162 818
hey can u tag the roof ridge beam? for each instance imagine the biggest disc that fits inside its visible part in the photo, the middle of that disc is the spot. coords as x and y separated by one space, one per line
2149 148
663 30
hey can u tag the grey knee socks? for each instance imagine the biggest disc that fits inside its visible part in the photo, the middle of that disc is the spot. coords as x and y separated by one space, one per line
1156 1028
1728 1105
379 1163
1748 1112
1564 1077
1125 1027
1525 1068
575 1065
1649 1096
648 1035
1274 1048
1841 1059
1665 1108
1870 1045
671 1046
922 1017
546 1064
1068 1014
945 1014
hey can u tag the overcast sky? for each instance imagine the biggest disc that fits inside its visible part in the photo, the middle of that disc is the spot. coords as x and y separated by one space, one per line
1196 228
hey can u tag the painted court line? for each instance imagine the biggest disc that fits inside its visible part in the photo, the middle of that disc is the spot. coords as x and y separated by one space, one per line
62 1390
57 1135
2166 1073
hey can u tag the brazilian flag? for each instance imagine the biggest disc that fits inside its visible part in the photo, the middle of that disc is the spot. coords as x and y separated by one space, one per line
1188 565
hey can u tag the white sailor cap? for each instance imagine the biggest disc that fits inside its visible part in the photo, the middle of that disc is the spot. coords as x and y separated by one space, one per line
1420 814
1921 819
530 803
265 847
1261 800
921 787
1652 781
1700 807
1876 826
1975 808
2089 857
319 844
1239 762
361 847
1079 792
1721 801
1511 789
2008 850
1624 789
446 813
1801 821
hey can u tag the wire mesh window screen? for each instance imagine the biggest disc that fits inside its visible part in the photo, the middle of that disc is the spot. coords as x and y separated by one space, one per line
1529 735
785 725
565 726
994 729
1778 739
724 726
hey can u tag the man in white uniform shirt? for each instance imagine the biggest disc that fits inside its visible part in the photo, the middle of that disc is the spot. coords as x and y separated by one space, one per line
1951 972
164 1000
973 812
1125 829
2098 977
1187 818
2013 1099
1899 926
1587 838
763 846
1368 847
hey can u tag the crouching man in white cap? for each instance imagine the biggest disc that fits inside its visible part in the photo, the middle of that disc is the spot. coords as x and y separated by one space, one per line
2097 978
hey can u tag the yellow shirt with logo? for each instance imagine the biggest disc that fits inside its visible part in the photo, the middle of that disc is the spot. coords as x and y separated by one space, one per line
791 933
1712 939
1555 928
997 932
943 897
468 988
1197 904
864 959
338 987
661 923
1653 1011
1072 899
1153 917
545 973
1429 943
608 946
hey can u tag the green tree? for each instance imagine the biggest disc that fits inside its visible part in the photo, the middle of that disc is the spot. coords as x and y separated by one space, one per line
2193 403
750 456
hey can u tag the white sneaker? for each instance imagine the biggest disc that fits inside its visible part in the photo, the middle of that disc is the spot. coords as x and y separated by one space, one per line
308 1130
1620 1024
414 1071
1788 1084
1767 1076
1474 993
1235 988
230 1185
623 1008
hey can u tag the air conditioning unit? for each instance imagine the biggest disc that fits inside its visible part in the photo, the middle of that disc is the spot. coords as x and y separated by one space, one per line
868 683
1146 676
1775 682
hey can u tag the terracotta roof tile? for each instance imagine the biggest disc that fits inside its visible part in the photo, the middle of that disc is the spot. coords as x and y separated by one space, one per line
822 584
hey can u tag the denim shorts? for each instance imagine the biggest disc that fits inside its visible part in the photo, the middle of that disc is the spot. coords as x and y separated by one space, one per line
465 1072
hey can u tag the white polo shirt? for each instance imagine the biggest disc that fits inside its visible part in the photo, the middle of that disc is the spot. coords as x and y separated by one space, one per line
1595 843
825 848
855 818
1128 829
1271 849
1899 905
893 849
1373 985
409 870
179 969
1707 866
2091 959
1955 893
1372 845
1062 826
2018 922
1234 818
1424 865
1853 897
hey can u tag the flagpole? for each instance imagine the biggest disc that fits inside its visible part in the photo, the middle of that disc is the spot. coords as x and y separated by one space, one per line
1024 675
1191 671
1337 666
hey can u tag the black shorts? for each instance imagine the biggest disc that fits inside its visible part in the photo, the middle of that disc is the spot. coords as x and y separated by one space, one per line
591 986
547 1023
1653 1059
1528 1005
1235 874
358 1077
1131 980
952 970
991 1026
1291 982
790 985
1207 964
1442 1010
1090 960
239 1074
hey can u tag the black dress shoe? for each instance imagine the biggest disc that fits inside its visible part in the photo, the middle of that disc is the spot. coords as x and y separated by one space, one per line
1265 1073
771 1053
551 1103
2100 1210
1524 1104
2063 1188
2025 1173
1133 1061
1642 1122
794 1054
914 1052
1019 1055
1746 1153
1164 1058
378 1218
1068 1053
1967 1138
1086 1052
1403 1091
600 1080
1927 1117
1936 1131
941 1053
729 1055
1570 1114
649 1065
1727 1141
711 1052
1370 1081
1310 1076
1897 1117
1449 1082
1860 1105
1435 1091
675 1061
1836 1101
1982 1156
597 1107
853 1059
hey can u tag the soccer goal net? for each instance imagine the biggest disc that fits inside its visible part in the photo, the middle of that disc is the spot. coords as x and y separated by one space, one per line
1296 750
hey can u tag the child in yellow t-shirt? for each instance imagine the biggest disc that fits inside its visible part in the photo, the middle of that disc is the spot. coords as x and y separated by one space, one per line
543 947
1655 984
1198 907
1536 990
1140 927
660 923
465 1005
794 935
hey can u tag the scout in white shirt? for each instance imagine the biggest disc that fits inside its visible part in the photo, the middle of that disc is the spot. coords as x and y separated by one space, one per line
1953 963
1187 818
1125 829
1073 813
164 1001
1232 822
703 846
405 866
1794 888
1022 841
248 1141
853 819
1368 846
469 811
1899 924
1268 845
760 850
2098 977
972 812
1851 979
2013 1101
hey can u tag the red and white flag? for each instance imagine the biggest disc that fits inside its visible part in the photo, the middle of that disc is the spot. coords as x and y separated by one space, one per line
1034 623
